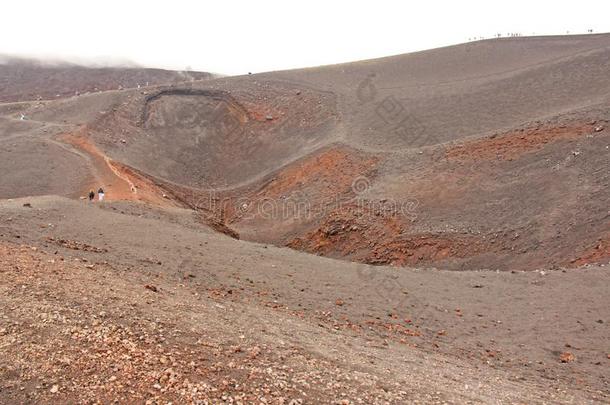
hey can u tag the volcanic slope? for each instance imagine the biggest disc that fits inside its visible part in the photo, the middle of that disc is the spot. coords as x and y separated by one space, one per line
489 155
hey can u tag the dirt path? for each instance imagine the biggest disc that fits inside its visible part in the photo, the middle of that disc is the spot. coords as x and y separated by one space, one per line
119 185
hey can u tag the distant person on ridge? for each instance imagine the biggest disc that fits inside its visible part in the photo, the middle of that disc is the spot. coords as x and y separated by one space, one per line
91 195
100 194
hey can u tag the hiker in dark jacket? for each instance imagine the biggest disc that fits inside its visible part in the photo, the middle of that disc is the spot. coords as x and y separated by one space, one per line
91 195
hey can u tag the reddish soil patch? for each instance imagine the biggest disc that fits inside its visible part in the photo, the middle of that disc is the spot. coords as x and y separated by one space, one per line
426 248
349 231
597 254
319 180
333 170
511 145
378 235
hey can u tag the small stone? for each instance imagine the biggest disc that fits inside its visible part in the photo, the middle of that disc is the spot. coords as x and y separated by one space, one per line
254 352
566 357
55 389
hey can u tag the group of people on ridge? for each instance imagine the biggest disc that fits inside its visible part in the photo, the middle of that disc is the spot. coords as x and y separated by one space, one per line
100 194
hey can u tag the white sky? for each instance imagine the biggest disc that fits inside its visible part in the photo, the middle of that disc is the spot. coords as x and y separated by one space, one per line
234 37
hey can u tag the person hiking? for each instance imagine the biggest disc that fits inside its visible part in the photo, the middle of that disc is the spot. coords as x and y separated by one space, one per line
100 194
91 195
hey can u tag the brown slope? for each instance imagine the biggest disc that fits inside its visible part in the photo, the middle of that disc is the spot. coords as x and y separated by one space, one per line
75 276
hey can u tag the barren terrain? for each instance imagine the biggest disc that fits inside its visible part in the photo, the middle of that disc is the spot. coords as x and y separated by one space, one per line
428 227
